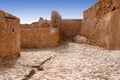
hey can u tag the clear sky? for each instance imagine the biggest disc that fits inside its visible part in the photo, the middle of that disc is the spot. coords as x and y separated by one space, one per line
30 10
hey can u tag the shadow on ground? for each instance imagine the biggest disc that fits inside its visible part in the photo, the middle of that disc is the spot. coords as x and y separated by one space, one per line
63 46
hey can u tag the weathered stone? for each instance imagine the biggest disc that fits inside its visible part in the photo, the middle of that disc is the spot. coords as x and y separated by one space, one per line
2 20
45 24
9 35
34 25
39 34
56 20
101 24
41 19
81 39
39 38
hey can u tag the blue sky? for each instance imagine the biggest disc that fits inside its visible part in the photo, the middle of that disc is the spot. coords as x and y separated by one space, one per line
30 10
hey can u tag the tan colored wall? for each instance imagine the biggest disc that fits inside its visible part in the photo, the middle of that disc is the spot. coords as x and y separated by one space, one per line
70 27
39 24
43 33
9 35
101 24
56 20
39 38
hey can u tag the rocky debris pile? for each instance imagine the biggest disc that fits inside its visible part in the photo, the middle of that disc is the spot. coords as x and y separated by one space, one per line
81 39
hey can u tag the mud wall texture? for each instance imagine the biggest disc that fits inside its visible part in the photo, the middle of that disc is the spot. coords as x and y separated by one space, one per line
41 23
39 38
70 27
101 24
43 33
9 36
56 20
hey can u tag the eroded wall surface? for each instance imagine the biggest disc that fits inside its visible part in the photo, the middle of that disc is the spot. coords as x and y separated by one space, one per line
56 20
9 36
43 33
39 38
101 24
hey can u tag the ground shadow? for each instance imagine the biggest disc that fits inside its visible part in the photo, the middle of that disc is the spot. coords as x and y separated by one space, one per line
63 46
10 63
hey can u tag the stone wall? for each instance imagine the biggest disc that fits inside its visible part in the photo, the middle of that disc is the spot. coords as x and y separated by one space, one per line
101 24
43 33
41 23
39 37
56 20
70 27
9 36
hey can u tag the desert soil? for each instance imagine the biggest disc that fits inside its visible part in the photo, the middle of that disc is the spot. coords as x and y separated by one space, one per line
70 61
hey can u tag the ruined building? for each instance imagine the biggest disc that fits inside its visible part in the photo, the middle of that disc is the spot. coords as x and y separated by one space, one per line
46 33
9 36
70 27
101 24
43 33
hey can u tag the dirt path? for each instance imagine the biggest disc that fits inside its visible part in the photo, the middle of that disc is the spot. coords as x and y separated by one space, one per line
70 61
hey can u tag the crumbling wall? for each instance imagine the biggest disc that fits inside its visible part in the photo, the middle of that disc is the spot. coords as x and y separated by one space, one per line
70 27
9 36
56 20
43 23
43 33
39 38
101 24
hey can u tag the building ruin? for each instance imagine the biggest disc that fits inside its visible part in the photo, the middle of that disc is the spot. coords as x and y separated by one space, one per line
9 36
43 33
100 26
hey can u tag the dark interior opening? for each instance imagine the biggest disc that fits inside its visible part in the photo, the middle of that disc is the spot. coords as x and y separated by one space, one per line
113 8
13 30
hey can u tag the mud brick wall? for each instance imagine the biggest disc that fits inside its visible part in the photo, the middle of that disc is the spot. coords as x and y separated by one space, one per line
70 27
39 38
43 33
9 36
56 22
101 24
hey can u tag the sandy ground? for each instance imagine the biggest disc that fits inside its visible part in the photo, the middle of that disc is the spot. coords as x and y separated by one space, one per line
70 61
